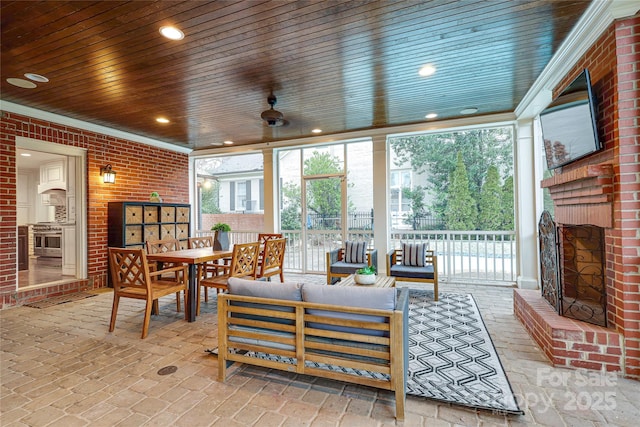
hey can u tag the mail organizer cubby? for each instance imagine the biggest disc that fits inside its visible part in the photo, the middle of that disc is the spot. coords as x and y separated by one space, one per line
131 224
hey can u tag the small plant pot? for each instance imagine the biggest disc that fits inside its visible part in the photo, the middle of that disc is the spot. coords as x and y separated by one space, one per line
365 279
221 241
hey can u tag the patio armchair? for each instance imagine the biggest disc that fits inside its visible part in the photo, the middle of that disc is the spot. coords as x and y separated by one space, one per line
414 263
342 262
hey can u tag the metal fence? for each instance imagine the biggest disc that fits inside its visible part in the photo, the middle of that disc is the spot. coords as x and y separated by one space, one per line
362 220
488 256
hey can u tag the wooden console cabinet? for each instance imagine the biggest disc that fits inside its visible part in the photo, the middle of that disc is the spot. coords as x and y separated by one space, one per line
131 224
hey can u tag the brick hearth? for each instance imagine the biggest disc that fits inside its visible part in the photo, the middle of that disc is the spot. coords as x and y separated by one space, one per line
567 342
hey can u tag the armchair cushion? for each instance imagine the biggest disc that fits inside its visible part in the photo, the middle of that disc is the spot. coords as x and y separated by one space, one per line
342 267
413 254
400 270
355 252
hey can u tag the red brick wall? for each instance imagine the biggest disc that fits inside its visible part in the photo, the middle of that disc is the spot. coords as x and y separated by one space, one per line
140 170
613 62
237 222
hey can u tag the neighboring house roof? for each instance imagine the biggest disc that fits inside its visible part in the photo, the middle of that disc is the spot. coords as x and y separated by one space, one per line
236 165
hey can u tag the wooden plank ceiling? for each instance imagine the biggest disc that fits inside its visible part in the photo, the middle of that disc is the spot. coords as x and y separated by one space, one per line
333 65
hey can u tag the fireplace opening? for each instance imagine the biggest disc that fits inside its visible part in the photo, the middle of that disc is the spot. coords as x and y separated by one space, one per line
573 269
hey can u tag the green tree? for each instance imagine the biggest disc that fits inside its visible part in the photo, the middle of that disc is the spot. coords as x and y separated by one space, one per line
210 196
435 154
324 196
418 207
461 212
490 204
291 214
508 212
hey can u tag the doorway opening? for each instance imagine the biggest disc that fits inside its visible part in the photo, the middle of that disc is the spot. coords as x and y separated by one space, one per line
50 188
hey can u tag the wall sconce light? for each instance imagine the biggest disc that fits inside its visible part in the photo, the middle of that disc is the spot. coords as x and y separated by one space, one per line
108 174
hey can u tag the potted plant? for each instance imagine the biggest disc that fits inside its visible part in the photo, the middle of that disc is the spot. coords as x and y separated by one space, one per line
155 197
366 275
221 238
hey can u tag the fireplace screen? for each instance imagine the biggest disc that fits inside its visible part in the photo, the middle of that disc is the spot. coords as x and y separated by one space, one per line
548 236
572 265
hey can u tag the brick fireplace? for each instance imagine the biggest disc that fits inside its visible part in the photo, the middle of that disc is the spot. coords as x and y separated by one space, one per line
601 191
568 317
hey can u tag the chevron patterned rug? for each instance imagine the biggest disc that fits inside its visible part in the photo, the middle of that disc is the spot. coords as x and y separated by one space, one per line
451 355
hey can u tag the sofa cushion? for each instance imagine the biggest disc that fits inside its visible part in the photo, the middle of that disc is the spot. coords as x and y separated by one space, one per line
254 288
342 267
355 252
399 270
352 296
414 254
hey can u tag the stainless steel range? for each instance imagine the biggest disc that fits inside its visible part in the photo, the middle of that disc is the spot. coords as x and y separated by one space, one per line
47 240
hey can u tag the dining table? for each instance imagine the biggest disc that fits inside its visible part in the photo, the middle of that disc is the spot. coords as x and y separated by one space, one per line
192 257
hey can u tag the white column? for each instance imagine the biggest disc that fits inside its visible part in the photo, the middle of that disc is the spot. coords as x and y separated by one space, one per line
526 193
380 200
271 217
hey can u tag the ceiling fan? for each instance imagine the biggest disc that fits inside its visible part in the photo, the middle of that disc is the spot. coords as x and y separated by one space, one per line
273 118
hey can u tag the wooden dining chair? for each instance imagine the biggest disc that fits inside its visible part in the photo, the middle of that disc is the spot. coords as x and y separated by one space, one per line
160 246
244 263
263 237
272 259
132 278
205 270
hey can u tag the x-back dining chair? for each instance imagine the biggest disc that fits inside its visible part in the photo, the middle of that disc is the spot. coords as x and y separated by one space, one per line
160 246
244 263
132 278
263 237
272 259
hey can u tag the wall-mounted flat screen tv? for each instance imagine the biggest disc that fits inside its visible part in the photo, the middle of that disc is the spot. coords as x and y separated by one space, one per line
569 124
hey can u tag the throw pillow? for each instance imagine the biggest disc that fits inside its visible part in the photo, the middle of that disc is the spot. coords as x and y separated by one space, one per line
355 252
413 254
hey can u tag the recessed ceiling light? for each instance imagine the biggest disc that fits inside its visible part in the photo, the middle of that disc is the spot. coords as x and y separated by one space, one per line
25 154
171 33
316 130
470 110
36 77
427 70
216 143
431 116
228 142
25 84
162 120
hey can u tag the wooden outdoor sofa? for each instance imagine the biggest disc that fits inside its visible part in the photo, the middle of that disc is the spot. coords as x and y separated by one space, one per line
317 330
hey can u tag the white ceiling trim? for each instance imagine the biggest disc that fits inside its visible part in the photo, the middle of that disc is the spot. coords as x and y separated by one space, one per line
68 121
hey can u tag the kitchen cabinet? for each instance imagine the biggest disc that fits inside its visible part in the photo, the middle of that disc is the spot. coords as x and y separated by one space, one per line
131 224
53 176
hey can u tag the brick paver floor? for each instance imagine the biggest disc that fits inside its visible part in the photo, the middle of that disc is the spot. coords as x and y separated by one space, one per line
61 367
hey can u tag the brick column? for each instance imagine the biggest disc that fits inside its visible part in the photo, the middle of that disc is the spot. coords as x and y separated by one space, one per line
626 260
